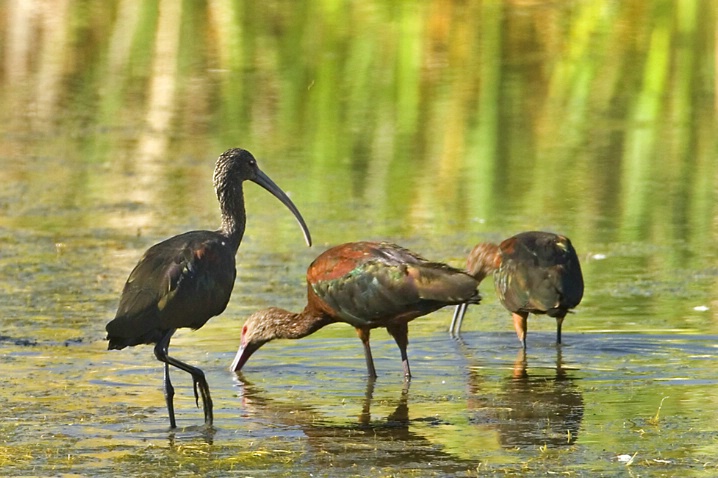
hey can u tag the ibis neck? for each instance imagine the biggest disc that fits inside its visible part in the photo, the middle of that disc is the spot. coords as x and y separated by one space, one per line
296 325
483 260
234 218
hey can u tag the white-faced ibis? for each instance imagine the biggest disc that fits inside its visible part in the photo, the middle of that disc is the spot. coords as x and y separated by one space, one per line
534 273
187 279
366 285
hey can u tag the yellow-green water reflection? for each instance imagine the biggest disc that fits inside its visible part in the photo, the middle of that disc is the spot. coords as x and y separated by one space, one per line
434 124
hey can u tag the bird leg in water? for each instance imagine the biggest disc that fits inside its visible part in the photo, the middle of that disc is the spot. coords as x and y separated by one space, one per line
520 324
559 323
400 332
364 337
161 349
169 396
457 319
197 376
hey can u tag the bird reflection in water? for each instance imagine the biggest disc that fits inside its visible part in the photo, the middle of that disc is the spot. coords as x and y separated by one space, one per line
194 436
531 409
256 400
377 442
397 422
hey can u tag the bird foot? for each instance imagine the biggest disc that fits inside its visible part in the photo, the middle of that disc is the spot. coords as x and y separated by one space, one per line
202 388
196 395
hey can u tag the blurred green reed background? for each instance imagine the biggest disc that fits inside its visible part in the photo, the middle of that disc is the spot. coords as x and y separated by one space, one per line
596 117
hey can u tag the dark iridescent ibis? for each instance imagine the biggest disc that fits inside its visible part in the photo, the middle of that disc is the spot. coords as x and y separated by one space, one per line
534 273
366 285
187 279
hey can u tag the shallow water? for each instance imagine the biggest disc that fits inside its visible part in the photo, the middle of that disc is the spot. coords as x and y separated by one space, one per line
432 124
473 406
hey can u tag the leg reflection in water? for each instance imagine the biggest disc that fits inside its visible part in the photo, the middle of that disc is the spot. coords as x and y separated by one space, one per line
530 408
345 432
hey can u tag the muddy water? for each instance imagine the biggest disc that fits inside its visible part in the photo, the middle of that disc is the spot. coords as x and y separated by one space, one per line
434 125
475 405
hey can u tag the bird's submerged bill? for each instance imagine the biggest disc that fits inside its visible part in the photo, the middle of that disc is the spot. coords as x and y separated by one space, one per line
366 285
535 272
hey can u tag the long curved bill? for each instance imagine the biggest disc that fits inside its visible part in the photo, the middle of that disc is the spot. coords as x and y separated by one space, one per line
264 181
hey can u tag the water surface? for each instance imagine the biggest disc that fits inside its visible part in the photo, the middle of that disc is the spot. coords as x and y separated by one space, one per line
431 124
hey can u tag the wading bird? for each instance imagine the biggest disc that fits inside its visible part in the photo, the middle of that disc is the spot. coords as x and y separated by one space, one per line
187 279
366 285
534 273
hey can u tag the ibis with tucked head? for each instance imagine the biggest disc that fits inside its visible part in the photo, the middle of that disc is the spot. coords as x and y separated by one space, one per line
187 279
535 272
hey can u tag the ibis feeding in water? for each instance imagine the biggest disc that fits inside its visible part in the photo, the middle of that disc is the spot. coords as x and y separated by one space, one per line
534 273
366 285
